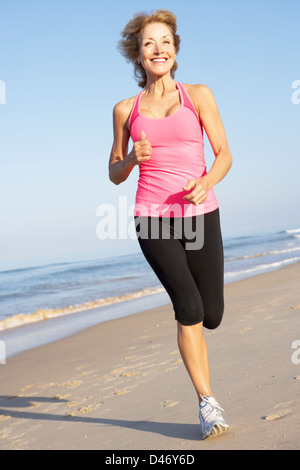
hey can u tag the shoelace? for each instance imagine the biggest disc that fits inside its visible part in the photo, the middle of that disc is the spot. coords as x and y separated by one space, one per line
213 410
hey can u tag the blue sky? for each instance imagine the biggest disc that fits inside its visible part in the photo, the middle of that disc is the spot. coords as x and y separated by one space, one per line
63 75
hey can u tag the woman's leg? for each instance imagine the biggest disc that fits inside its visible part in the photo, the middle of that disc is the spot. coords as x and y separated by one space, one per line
168 259
207 267
193 350
194 282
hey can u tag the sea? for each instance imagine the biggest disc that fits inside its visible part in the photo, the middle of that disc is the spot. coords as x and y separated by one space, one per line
39 304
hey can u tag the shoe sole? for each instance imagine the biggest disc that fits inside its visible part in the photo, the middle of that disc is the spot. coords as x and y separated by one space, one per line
217 430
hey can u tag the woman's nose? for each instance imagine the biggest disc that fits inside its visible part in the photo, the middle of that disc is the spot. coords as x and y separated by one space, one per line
158 49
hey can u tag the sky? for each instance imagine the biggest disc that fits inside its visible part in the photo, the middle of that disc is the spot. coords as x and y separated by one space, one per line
60 77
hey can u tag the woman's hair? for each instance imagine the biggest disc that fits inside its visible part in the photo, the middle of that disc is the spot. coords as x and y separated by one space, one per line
129 46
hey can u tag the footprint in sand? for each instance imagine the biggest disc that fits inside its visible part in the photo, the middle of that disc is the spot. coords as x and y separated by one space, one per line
280 411
169 403
247 328
178 361
80 411
130 374
70 383
124 391
274 416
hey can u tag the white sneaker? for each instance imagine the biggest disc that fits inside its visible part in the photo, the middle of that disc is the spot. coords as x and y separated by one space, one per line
211 419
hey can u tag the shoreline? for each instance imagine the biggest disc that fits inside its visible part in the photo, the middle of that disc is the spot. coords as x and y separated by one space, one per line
121 384
32 334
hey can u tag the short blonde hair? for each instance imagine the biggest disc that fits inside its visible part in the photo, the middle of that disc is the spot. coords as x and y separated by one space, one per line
129 46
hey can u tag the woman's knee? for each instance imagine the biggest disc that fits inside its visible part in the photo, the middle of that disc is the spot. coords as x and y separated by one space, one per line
213 320
190 312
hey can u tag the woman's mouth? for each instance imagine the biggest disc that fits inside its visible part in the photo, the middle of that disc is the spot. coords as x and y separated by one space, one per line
161 60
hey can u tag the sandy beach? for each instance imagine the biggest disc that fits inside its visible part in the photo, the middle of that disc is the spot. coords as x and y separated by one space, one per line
121 385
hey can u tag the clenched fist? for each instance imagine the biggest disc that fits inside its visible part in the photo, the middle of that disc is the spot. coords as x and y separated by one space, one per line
198 193
142 150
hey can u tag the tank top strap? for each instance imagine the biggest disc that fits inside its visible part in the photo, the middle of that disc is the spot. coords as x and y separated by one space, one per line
135 110
187 102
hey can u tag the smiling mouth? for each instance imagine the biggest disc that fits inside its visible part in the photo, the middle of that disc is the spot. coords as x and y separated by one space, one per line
161 60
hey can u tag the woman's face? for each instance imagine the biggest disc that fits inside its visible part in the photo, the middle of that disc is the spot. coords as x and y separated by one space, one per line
157 50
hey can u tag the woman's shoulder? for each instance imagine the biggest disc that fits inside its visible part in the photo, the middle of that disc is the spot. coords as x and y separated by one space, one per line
198 90
200 94
122 110
124 106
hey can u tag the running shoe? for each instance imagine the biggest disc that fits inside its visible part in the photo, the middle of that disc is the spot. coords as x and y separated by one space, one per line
211 419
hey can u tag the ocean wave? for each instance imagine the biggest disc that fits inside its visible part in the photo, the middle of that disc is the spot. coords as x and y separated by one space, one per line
21 319
295 230
268 253
262 267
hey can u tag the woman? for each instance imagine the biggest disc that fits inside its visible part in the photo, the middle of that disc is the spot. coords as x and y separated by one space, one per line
175 199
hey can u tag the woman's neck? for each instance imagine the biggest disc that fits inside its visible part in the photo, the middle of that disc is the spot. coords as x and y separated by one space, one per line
159 85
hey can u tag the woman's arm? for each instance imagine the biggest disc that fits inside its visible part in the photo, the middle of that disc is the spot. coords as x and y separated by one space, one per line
121 163
206 107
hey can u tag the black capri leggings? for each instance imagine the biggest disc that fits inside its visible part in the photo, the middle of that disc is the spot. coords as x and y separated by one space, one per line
192 274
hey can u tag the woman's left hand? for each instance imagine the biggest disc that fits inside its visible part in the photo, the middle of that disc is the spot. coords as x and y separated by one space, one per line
199 191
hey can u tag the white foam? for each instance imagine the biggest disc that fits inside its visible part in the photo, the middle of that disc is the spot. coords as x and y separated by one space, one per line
261 267
296 230
268 253
20 319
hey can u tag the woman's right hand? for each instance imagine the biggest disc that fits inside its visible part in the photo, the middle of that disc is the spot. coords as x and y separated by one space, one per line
141 151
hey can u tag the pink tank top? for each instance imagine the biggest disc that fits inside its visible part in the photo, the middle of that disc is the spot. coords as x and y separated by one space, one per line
177 156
